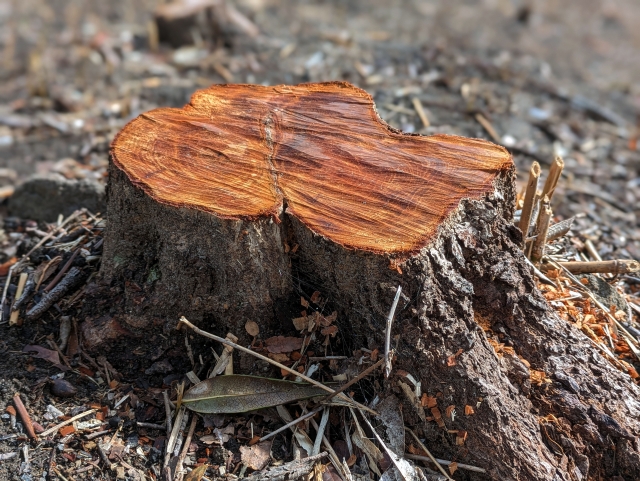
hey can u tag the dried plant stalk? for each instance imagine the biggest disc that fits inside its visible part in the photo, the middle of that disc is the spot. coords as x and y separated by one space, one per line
543 229
616 266
552 180
529 198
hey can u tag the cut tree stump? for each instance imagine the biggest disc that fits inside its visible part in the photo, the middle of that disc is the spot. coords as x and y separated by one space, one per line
211 208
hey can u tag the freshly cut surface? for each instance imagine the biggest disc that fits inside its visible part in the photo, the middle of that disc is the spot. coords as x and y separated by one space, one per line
245 151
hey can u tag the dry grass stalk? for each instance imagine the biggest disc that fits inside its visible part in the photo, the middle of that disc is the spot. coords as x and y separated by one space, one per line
616 266
15 314
529 198
544 221
552 180
421 113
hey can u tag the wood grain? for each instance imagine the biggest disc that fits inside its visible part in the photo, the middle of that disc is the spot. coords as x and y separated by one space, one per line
320 151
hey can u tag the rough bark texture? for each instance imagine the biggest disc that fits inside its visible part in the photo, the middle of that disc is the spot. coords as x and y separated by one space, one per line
172 261
223 272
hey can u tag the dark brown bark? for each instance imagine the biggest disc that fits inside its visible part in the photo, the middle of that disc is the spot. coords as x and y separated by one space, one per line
172 261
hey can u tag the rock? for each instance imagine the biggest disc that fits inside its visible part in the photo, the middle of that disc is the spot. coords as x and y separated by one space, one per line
605 293
43 198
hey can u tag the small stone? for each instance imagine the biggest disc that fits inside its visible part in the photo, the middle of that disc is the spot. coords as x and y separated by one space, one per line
63 388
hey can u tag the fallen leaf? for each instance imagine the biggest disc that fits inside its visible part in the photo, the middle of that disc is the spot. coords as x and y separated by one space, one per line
252 328
300 323
304 302
46 354
453 467
468 410
315 297
257 456
238 394
428 401
461 437
280 344
330 331
197 473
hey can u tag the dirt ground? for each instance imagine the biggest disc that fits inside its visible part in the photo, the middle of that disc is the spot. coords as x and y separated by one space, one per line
541 77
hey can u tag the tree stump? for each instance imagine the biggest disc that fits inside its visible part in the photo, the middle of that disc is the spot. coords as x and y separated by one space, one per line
210 206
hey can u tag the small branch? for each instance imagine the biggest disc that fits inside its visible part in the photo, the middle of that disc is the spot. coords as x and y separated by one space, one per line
420 110
24 416
424 448
617 266
13 319
552 180
320 433
197 330
540 242
292 423
71 280
68 421
529 198
62 272
444 462
387 341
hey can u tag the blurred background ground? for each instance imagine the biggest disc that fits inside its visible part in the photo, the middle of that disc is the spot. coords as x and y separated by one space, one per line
542 78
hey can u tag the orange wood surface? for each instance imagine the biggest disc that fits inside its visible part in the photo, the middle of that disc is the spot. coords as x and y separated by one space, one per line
244 151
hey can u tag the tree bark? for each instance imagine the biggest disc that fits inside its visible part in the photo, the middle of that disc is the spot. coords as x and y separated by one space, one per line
220 272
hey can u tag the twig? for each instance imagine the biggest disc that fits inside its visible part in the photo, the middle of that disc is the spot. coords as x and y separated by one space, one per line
538 273
387 340
559 229
424 448
616 266
360 376
13 319
24 416
482 120
185 449
62 272
552 180
171 440
544 220
197 330
104 456
167 410
71 280
420 110
150 426
68 421
529 198
444 462
320 433
292 423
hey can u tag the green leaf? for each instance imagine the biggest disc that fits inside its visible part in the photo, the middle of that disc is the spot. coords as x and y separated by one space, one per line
239 394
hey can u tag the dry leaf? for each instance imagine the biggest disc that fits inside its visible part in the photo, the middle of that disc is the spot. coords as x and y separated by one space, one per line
453 467
238 394
252 328
256 457
279 344
4 268
315 297
197 473
468 410
330 331
46 354
304 302
461 437
300 323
